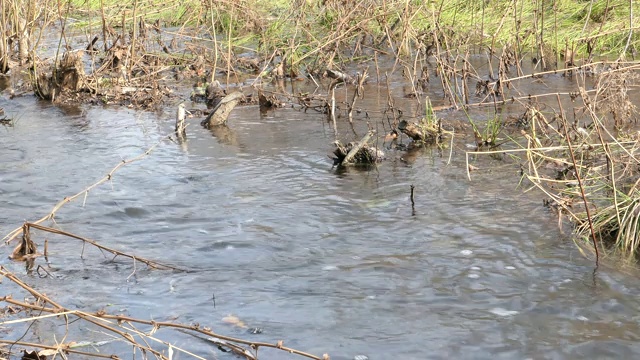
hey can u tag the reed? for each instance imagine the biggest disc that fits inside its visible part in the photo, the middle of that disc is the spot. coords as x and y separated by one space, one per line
310 33
587 166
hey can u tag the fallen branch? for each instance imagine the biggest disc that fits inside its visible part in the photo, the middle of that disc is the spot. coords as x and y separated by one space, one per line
352 153
147 262
106 320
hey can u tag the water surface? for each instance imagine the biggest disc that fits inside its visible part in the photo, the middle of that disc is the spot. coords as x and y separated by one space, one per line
326 260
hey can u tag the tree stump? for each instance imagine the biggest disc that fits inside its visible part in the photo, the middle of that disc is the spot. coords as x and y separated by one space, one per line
220 113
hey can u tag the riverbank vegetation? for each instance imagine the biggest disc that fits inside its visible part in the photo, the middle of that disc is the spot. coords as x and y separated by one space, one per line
578 147
308 35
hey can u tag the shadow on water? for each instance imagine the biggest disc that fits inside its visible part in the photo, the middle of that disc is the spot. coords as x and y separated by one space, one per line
4 83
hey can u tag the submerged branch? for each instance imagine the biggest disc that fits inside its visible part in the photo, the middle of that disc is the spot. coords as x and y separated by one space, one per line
148 262
107 321
18 231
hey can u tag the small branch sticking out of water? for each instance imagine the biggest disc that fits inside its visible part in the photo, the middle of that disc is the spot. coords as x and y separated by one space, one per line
358 92
181 115
413 203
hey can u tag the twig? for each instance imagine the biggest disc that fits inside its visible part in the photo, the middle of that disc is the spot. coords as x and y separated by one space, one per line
101 316
148 262
61 347
543 149
580 67
80 314
583 195
357 93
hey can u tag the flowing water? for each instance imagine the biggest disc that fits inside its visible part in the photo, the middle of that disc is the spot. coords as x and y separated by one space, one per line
326 260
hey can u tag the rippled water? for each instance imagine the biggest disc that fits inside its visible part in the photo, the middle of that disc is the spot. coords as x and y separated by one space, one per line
327 261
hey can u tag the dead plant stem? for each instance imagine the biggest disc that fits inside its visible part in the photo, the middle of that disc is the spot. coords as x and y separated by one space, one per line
582 192
148 262
622 55
65 348
101 316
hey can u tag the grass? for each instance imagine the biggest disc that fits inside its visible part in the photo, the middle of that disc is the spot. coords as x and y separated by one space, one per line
618 223
587 166
581 24
552 26
430 124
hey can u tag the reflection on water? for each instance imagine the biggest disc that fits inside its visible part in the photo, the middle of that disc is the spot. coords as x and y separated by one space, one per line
328 263
225 135
4 83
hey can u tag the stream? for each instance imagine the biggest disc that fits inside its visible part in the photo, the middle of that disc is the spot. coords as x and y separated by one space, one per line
274 237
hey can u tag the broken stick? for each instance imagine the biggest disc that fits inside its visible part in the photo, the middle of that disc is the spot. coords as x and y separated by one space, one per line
352 153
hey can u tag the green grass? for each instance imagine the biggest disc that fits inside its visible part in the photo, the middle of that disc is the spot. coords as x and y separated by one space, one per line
586 26
569 23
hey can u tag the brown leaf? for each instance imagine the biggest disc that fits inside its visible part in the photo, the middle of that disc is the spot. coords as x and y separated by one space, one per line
47 352
234 320
391 136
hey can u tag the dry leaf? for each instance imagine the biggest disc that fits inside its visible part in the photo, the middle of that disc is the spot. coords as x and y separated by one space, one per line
47 352
391 136
233 320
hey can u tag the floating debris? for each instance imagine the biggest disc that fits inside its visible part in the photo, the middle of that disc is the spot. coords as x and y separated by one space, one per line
234 320
255 330
503 312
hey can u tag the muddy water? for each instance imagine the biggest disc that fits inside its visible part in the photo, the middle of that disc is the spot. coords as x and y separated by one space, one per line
328 261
